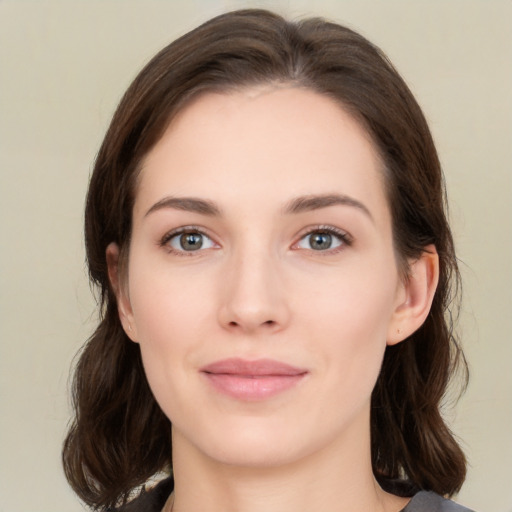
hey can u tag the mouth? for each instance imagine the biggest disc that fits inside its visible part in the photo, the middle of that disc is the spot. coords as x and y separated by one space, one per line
252 380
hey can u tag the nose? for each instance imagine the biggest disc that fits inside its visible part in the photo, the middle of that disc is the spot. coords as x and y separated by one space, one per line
253 295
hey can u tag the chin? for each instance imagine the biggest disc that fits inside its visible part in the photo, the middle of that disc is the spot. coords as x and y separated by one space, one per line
256 454
245 442
260 444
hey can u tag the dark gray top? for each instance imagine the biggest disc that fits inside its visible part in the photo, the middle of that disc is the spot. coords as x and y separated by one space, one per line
154 500
425 501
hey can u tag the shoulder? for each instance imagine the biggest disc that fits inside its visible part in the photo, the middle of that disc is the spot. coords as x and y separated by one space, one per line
425 501
151 500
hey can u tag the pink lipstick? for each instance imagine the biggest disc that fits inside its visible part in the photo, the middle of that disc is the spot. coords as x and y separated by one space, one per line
252 380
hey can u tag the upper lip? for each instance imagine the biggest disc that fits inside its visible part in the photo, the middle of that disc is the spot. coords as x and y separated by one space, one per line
257 368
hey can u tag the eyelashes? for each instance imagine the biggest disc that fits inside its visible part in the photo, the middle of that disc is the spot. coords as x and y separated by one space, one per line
191 240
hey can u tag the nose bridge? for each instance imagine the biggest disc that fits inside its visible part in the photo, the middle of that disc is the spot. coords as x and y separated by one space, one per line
253 295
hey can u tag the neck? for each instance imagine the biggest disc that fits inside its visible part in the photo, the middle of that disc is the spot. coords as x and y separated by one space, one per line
337 478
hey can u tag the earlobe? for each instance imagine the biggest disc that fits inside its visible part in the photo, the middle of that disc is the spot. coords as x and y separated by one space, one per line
116 281
416 299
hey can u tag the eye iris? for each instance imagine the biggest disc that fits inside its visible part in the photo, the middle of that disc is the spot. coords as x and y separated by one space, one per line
320 241
191 241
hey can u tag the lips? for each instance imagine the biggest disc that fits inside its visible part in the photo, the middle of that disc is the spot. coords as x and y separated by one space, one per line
252 380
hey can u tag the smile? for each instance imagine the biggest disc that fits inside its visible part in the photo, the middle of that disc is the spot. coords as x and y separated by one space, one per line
252 380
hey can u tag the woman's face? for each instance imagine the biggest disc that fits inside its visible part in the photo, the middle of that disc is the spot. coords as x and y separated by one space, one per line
262 282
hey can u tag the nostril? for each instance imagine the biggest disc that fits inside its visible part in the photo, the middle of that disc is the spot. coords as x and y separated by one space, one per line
270 323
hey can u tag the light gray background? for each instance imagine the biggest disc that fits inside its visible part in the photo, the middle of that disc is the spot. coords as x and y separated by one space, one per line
63 67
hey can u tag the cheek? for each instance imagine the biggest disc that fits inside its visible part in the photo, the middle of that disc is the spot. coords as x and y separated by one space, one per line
356 303
166 301
350 324
172 317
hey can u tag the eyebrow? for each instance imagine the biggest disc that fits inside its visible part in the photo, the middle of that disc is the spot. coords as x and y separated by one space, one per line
188 204
316 202
297 205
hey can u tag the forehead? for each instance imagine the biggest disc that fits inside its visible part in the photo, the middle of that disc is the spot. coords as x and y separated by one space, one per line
262 143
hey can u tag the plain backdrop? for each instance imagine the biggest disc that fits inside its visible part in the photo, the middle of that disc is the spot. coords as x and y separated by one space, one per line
63 68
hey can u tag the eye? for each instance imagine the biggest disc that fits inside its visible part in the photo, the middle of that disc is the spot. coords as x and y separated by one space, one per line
187 240
323 239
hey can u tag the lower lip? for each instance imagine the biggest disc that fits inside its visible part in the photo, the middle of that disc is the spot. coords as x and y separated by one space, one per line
252 388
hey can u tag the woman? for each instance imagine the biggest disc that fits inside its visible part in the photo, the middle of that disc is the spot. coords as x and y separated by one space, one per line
266 224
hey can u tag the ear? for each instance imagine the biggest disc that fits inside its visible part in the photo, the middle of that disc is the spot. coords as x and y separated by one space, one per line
415 296
116 279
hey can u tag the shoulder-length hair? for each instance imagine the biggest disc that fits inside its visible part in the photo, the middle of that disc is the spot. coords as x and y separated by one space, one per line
119 437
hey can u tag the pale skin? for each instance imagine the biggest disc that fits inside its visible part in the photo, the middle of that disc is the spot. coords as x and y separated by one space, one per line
283 194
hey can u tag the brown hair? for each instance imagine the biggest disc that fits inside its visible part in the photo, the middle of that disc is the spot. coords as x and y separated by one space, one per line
119 437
